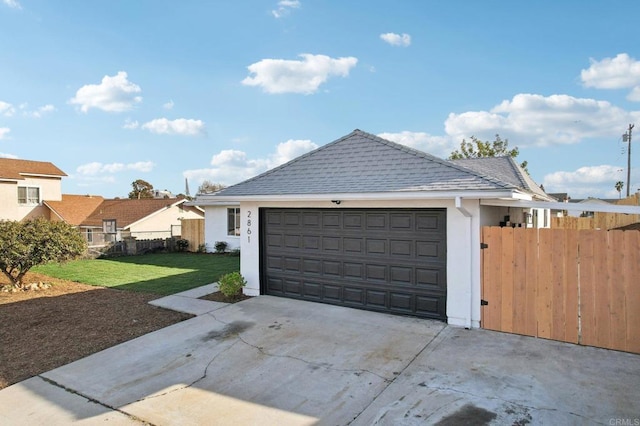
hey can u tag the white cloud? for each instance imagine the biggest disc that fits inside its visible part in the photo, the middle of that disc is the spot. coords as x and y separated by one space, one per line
168 105
587 181
5 155
394 39
39 112
113 94
233 166
4 131
302 76
130 124
95 168
530 119
12 4
440 146
284 8
7 109
180 126
621 72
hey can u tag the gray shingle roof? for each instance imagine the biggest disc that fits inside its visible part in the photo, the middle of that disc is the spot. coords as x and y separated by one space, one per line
505 169
364 163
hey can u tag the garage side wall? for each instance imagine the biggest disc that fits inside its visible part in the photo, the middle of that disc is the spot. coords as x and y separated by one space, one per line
215 228
463 237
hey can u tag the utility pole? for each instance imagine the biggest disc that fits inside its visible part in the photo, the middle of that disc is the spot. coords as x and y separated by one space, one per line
627 138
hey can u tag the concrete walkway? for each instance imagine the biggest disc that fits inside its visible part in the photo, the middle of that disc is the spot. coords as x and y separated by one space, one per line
270 360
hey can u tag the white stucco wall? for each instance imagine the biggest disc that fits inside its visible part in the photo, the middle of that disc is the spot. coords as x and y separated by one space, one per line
50 190
463 242
215 228
159 224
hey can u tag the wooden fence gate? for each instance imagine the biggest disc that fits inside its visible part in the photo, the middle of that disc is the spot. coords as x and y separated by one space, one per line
578 286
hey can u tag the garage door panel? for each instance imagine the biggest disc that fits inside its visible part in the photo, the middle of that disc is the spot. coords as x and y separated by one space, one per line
376 299
383 260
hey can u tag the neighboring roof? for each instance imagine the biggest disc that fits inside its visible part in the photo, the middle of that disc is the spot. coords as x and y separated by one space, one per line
631 227
560 196
12 169
364 163
74 209
507 170
128 211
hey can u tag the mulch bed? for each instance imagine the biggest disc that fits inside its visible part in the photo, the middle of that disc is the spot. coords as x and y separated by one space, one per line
44 329
219 297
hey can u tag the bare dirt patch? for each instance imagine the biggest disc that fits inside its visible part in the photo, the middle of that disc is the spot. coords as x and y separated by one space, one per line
44 329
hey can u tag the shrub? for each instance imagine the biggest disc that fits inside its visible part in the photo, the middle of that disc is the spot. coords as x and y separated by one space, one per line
221 246
202 248
231 284
182 244
26 244
235 252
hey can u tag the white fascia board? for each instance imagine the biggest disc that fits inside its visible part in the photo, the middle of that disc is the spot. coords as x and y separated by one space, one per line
583 207
222 200
39 175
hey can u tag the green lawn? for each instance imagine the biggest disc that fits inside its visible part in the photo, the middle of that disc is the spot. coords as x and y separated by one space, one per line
165 273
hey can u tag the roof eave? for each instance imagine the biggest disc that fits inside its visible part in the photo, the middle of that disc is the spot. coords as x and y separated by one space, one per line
221 200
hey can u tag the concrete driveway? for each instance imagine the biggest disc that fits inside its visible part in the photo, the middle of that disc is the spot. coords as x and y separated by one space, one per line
269 360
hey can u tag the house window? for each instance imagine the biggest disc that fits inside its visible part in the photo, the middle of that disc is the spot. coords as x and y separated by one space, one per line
89 235
233 221
109 226
28 195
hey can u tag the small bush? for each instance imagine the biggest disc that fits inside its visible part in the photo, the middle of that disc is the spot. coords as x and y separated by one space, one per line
202 248
182 244
235 252
231 284
221 246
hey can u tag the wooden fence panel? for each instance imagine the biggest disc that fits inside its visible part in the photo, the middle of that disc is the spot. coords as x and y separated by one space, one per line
193 231
578 286
632 291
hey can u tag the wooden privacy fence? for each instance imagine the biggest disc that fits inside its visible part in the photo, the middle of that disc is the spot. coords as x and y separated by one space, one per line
193 231
578 286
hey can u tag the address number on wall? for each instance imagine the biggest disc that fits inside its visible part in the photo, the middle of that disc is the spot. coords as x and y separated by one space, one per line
248 226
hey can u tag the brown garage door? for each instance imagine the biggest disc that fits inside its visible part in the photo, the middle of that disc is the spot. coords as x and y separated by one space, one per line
388 260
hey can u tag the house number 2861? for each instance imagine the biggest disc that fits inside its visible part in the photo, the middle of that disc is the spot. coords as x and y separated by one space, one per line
248 226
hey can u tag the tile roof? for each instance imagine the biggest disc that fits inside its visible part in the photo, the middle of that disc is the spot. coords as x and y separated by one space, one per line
364 163
16 169
507 170
127 211
74 209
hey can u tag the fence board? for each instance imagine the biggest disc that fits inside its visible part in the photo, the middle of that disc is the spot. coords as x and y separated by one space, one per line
193 231
519 281
506 280
602 302
632 291
571 285
532 265
491 273
578 286
557 286
616 291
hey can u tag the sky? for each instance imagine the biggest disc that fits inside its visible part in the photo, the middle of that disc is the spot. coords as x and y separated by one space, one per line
118 90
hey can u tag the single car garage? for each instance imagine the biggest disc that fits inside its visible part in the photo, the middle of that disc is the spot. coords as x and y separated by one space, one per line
388 260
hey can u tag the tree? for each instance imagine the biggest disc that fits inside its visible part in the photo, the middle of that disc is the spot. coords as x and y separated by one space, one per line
479 149
208 187
619 186
141 189
26 244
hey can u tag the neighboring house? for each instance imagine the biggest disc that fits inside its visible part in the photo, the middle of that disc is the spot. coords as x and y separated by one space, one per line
508 170
72 209
143 219
368 223
24 184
